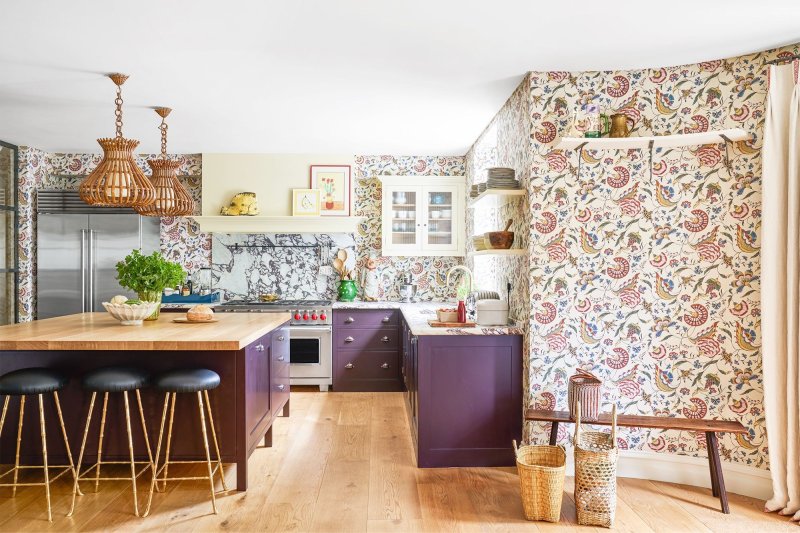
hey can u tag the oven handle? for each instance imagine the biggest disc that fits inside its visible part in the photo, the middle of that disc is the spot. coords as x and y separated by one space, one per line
300 329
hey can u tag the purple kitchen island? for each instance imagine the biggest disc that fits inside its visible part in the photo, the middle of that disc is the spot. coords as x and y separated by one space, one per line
463 385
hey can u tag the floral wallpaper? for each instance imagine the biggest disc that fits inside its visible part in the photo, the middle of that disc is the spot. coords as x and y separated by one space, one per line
428 272
645 274
181 239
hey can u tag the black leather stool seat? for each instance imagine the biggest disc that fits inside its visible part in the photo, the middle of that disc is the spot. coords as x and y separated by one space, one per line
187 380
115 379
32 381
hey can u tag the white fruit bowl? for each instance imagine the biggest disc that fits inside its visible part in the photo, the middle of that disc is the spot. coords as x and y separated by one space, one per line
131 315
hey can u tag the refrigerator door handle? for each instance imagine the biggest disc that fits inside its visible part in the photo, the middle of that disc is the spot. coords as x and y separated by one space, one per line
83 270
91 269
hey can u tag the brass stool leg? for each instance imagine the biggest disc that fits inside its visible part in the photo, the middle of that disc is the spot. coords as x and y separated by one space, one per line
64 434
158 452
216 444
44 458
144 428
169 439
75 488
100 444
3 418
208 455
19 442
130 450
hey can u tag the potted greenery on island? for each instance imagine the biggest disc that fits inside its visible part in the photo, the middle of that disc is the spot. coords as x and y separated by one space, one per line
148 276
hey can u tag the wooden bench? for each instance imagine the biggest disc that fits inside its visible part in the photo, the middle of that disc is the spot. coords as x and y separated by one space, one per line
709 427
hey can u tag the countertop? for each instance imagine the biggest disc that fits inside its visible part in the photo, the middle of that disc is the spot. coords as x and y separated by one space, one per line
417 315
99 331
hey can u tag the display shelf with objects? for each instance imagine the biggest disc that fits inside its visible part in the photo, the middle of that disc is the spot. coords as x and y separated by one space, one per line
659 141
513 252
496 197
278 224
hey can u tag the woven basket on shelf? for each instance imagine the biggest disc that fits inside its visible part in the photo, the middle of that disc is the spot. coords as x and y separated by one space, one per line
541 480
596 473
586 388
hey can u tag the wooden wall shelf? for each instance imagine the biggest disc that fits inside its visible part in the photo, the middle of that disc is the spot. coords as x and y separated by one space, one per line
659 141
274 224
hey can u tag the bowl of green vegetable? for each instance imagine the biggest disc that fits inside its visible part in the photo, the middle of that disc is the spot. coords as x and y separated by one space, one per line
129 312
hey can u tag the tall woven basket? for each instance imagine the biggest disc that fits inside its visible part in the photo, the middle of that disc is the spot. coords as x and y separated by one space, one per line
586 388
541 480
596 473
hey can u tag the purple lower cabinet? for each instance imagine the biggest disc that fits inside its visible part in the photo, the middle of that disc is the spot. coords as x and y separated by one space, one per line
467 399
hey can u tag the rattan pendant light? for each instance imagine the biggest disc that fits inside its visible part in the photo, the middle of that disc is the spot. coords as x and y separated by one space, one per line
171 198
117 181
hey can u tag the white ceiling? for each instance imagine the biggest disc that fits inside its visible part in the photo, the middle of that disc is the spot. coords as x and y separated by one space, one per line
332 76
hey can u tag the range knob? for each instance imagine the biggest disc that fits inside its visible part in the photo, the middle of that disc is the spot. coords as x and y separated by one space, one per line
323 316
297 316
305 316
313 316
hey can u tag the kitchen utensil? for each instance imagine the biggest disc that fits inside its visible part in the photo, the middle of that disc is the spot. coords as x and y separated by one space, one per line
338 264
492 312
619 125
407 288
501 240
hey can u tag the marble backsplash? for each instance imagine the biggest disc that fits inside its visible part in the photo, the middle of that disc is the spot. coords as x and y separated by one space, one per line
294 266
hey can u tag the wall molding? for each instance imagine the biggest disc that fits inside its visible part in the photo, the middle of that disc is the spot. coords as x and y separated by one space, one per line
739 479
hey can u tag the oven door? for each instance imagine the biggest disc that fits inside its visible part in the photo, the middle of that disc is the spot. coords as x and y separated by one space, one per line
310 353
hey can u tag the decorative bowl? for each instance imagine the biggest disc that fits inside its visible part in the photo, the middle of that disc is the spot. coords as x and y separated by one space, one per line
447 316
499 240
131 315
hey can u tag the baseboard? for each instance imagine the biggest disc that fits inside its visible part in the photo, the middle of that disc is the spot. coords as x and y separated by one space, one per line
739 479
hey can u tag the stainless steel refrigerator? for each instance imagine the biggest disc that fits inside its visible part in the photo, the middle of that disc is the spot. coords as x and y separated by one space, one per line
78 247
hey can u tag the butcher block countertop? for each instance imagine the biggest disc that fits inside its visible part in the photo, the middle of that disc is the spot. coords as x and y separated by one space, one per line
99 331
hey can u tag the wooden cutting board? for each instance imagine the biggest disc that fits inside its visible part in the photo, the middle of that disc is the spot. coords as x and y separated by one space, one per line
437 324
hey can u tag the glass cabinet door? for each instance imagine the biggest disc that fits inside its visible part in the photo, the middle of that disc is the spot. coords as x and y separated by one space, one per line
8 233
441 223
402 216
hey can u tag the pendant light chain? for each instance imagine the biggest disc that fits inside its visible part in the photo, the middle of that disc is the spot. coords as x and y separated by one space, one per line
163 127
118 111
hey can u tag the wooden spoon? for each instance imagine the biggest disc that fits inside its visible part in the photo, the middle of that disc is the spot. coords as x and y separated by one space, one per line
338 264
342 255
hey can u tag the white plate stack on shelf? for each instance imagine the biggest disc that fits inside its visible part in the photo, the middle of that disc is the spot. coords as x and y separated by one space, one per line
476 189
501 178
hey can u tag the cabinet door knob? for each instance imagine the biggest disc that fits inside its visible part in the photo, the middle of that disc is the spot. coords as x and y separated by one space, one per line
385 320
281 386
385 339
281 358
349 366
259 347
348 339
281 338
385 365
349 320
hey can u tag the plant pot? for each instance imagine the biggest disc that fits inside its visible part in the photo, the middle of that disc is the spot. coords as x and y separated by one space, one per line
152 296
329 202
347 290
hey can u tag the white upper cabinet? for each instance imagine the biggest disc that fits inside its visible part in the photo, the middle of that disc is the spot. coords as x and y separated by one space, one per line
423 215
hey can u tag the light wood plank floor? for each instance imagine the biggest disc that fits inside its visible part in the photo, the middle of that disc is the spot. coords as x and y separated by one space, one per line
343 462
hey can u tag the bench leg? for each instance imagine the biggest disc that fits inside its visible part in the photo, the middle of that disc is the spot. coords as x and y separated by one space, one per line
716 468
711 468
553 433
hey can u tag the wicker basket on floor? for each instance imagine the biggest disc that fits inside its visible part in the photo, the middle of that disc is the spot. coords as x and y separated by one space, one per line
586 388
596 473
541 480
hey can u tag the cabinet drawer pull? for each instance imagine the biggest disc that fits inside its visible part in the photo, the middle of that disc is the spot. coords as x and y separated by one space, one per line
386 320
281 358
385 339
259 347
349 366
349 320
385 365
281 386
281 338
349 339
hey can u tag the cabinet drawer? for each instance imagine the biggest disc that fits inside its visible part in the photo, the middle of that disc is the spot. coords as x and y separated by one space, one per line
280 345
366 339
366 371
365 318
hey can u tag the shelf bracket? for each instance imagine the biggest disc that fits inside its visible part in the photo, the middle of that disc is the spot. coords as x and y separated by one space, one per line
650 147
580 157
728 142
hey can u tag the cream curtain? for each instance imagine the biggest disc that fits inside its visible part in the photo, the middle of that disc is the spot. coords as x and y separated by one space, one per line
780 281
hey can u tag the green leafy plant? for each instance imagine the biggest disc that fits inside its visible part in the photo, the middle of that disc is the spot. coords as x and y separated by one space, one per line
145 274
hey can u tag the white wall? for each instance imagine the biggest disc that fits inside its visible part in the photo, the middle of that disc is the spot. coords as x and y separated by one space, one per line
271 176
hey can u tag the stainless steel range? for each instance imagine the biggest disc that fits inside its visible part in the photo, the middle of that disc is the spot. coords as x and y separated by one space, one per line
310 331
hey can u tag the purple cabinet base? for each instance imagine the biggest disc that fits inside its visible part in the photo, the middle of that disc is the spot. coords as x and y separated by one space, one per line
464 398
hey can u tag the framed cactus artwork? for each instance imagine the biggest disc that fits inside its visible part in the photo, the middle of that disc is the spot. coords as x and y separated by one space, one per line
333 182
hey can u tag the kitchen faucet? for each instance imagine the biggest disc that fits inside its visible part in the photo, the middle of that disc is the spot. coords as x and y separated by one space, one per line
465 269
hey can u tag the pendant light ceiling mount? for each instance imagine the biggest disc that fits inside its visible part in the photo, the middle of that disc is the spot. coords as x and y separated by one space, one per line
117 181
171 198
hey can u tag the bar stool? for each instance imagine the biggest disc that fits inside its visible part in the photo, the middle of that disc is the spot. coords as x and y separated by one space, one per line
26 382
200 381
108 380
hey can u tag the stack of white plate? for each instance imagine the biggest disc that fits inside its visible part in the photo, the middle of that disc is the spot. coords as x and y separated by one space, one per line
479 242
502 178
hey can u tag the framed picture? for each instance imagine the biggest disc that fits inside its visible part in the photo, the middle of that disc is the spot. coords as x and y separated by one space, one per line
333 181
305 202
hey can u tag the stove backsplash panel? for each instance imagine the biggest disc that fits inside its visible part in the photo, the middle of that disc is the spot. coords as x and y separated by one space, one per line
293 266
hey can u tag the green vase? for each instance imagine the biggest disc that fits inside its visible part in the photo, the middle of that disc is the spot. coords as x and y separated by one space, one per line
347 290
152 296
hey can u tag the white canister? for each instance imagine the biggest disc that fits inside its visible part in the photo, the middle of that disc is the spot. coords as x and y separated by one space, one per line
492 312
